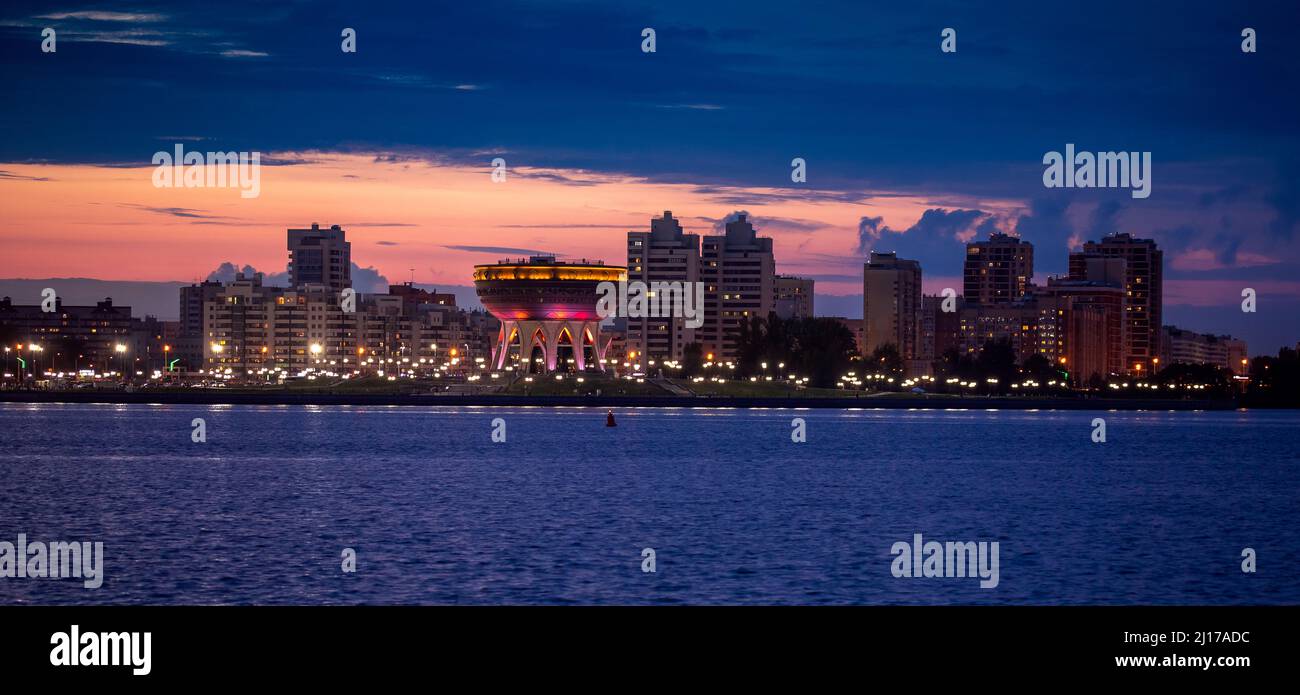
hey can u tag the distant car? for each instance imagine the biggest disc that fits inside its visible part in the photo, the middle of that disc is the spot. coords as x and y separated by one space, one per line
917 389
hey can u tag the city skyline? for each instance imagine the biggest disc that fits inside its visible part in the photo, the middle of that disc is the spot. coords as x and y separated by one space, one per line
1102 321
373 282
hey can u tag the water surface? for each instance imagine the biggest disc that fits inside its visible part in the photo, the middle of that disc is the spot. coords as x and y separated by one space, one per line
736 512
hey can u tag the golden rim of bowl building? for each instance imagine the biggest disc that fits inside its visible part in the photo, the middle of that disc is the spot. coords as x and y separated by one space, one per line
575 272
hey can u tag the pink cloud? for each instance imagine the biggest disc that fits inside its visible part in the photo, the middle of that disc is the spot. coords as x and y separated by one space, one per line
1222 292
1205 259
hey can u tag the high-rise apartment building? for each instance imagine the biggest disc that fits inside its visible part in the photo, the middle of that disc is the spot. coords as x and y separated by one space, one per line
191 344
1143 293
998 271
320 257
940 330
664 254
739 275
1105 295
891 304
793 297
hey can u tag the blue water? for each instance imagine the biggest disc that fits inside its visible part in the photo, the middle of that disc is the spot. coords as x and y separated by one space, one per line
735 511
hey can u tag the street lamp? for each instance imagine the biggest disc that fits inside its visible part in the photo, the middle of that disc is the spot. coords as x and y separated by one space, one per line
36 362
217 349
120 349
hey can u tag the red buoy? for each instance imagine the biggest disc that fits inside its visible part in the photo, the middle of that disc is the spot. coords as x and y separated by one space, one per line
609 420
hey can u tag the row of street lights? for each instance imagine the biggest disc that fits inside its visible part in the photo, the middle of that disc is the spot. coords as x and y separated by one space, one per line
36 350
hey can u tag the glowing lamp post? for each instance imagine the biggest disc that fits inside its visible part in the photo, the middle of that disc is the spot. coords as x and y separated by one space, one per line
120 349
36 360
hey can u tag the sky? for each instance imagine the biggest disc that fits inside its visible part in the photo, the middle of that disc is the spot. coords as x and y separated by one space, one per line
907 148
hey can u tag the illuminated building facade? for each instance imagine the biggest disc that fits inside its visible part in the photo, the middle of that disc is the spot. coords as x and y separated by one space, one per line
891 304
739 275
998 271
1143 293
71 337
664 254
547 310
1185 347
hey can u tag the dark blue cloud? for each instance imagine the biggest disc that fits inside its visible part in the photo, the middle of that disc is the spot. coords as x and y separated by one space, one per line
861 92
503 250
935 239
365 280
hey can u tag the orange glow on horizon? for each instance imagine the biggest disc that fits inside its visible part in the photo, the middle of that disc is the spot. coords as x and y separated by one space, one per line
441 220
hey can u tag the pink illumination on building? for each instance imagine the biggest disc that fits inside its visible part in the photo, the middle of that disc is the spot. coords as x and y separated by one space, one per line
542 304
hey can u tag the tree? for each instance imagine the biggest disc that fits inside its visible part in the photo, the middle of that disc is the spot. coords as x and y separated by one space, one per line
885 359
692 359
67 348
1275 381
750 345
820 349
1211 380
997 360
1039 368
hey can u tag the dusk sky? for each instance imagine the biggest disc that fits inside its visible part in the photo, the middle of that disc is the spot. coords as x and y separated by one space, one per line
908 149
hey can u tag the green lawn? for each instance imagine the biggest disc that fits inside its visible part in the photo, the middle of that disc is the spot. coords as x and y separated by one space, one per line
569 386
363 385
757 389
